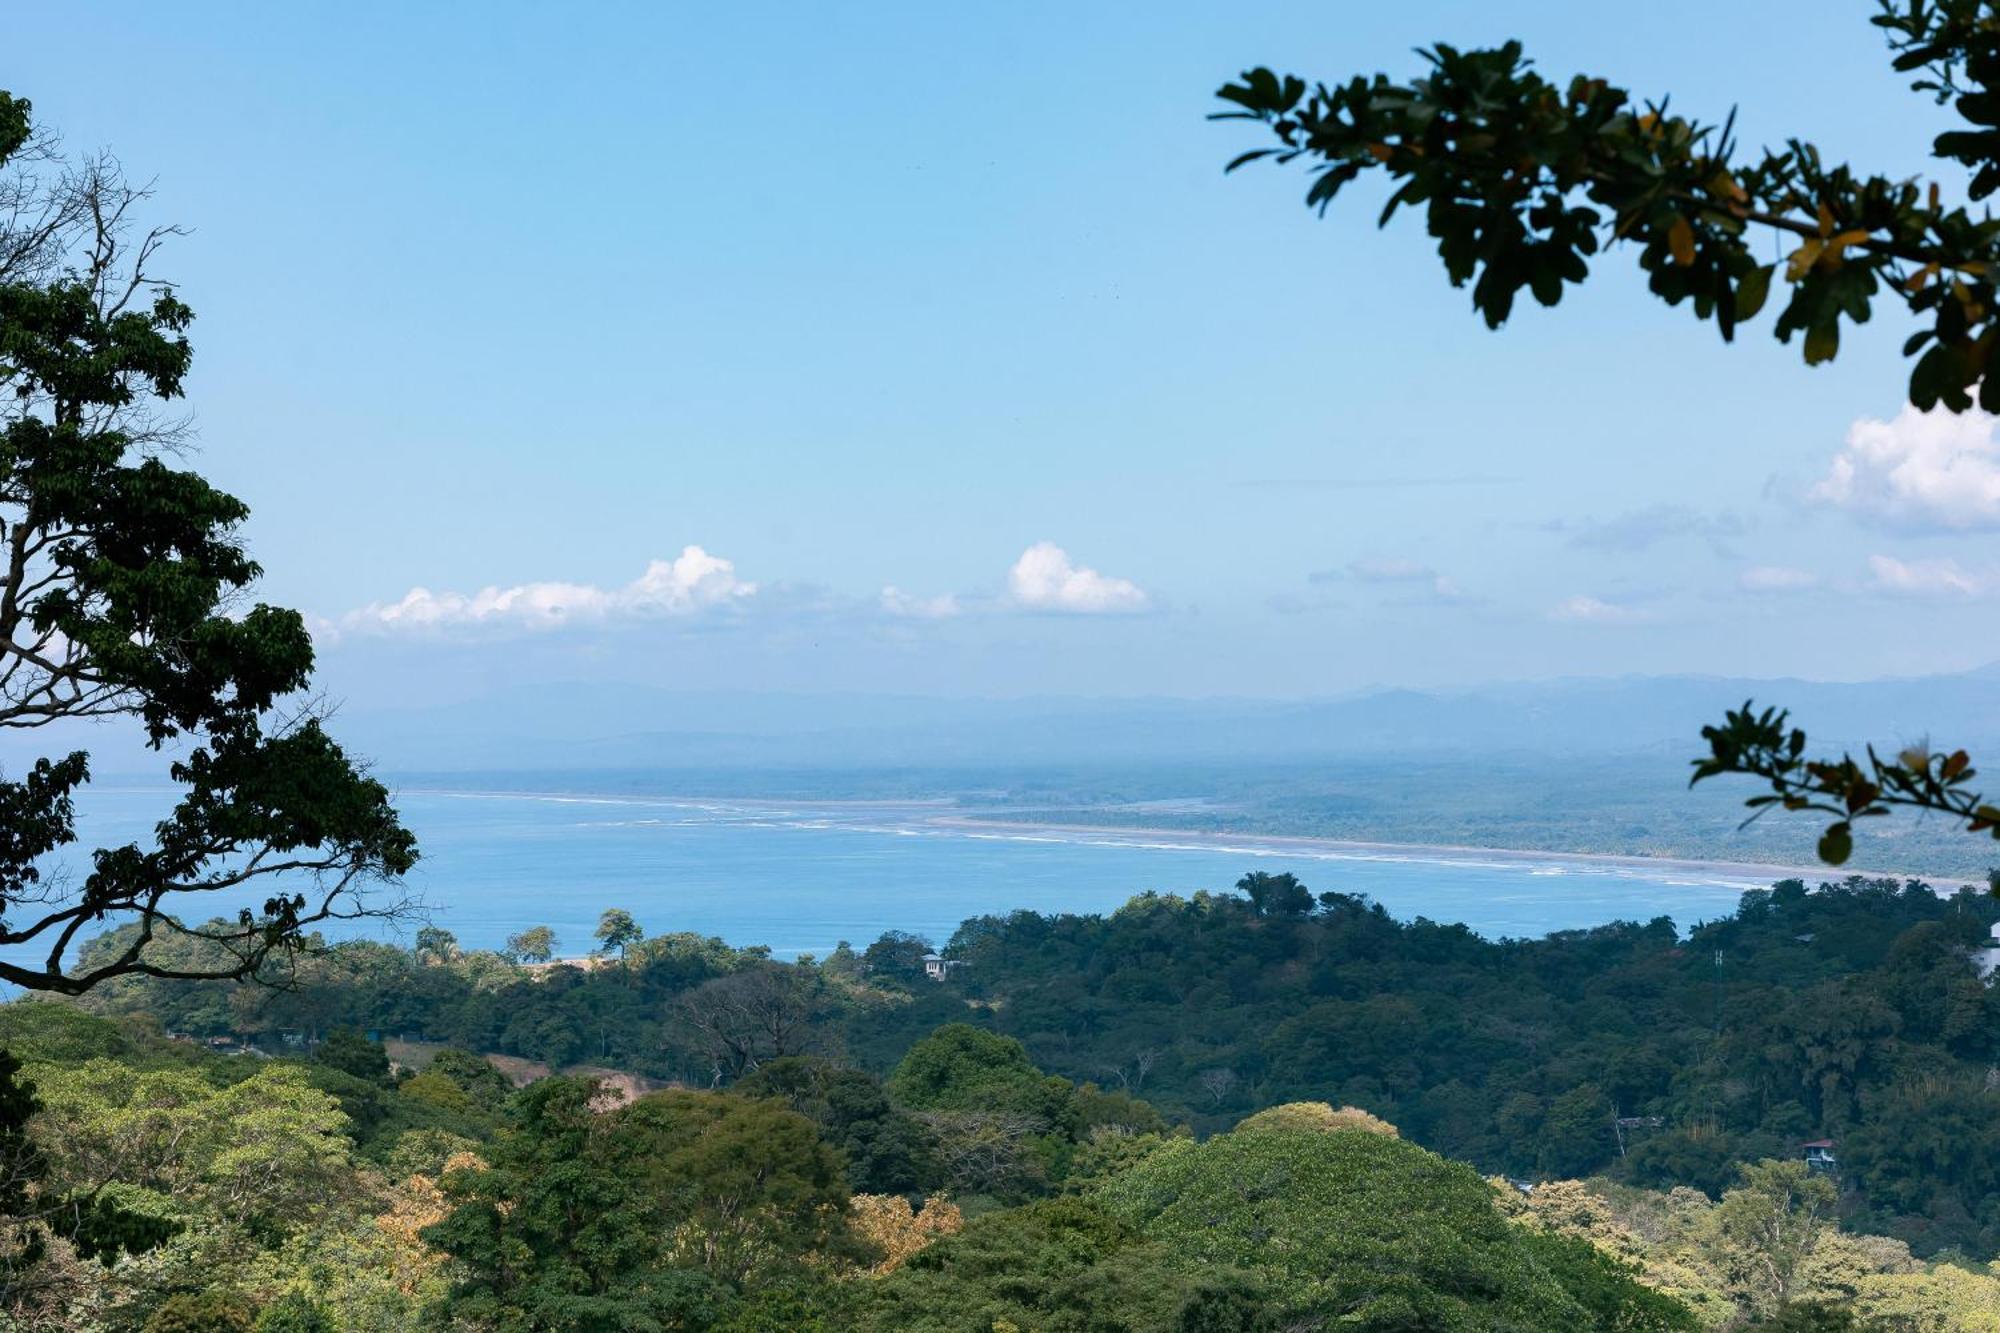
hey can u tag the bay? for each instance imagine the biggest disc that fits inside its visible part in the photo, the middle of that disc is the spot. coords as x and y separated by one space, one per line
800 876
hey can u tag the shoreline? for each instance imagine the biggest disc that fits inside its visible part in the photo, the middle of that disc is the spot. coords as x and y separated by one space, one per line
934 814
1362 849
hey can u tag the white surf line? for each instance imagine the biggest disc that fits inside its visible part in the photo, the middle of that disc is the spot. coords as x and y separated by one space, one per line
927 821
1718 873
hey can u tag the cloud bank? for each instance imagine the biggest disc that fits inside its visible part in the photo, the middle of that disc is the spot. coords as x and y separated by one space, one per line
692 581
1922 471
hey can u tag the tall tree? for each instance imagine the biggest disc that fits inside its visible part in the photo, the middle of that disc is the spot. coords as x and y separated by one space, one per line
767 1011
617 931
1768 1225
1523 182
1276 895
536 944
121 590
435 944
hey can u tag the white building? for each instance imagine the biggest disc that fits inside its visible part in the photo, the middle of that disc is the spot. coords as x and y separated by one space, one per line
1987 960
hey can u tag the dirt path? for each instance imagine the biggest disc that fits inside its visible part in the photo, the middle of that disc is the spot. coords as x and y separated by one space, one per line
623 1085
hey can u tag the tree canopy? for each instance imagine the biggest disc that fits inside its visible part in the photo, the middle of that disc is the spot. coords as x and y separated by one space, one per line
121 590
1361 1228
640 1218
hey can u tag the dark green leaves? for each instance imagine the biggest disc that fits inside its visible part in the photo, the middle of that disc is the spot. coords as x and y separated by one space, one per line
122 584
1761 745
15 124
1261 94
1521 181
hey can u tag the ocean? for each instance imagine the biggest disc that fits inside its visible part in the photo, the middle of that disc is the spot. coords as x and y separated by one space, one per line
800 876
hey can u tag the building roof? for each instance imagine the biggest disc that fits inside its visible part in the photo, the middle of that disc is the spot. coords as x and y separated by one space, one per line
1818 1143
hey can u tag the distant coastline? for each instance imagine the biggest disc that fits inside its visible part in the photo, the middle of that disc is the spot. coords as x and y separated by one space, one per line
1345 848
936 815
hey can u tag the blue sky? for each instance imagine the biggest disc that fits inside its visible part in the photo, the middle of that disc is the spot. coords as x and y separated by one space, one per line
955 301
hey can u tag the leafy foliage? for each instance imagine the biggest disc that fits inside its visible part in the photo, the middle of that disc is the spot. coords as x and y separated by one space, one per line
722 1211
1061 1265
119 579
885 1150
35 1208
213 1311
889 1225
1367 1230
295 1313
353 1054
1313 1118
1852 1011
267 1150
537 944
635 1219
1761 745
1524 181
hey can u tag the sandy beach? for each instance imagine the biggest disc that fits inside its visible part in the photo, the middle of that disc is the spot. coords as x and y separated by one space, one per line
1402 851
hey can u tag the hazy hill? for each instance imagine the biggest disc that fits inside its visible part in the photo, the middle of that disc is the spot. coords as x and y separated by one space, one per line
599 726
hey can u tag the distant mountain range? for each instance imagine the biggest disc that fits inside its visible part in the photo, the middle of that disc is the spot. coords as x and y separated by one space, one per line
600 726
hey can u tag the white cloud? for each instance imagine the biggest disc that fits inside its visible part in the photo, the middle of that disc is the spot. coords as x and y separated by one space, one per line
1043 579
1925 578
1934 469
688 583
1776 578
1593 611
896 602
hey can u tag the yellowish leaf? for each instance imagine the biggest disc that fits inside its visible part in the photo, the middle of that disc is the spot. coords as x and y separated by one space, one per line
1680 240
1835 253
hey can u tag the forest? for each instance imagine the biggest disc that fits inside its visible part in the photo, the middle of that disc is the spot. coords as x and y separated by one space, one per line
1604 1126
1850 1012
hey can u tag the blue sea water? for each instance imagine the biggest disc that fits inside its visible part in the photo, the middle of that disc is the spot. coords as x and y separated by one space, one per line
800 876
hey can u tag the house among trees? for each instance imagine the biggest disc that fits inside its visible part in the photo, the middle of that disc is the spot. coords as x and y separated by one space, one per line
937 967
1819 1155
1987 960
